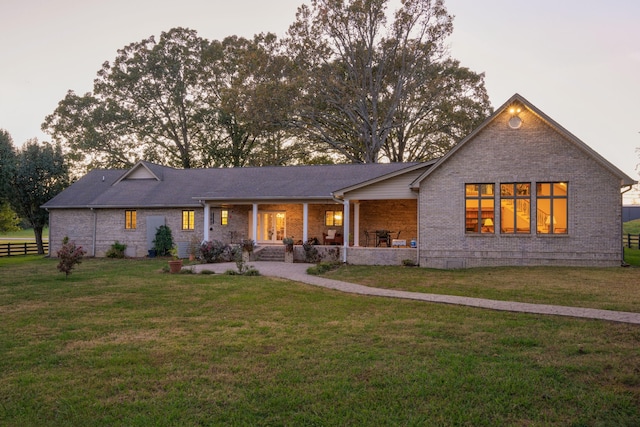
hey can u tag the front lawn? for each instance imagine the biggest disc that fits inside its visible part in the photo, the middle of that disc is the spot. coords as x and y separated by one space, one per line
120 343
614 288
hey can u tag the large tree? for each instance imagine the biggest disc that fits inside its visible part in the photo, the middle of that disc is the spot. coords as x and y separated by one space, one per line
40 174
250 85
149 102
7 163
375 83
182 101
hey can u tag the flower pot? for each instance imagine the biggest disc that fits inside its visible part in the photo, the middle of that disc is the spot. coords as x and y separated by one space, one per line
175 266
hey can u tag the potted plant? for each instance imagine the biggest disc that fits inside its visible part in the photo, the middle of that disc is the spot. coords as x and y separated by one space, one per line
288 249
288 244
247 246
175 264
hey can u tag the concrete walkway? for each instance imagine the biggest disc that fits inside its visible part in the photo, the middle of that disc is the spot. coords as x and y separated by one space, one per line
297 273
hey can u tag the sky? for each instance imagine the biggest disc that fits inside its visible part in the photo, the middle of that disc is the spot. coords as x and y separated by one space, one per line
576 60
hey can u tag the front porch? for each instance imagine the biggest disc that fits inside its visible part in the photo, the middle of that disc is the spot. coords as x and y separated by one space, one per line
353 225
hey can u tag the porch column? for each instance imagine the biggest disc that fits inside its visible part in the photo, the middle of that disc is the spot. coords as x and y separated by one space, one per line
356 223
207 215
345 232
255 223
305 222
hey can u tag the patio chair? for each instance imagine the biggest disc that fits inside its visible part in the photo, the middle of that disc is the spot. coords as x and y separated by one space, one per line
331 237
383 236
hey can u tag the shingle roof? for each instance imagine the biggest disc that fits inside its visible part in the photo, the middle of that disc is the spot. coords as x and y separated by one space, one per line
185 187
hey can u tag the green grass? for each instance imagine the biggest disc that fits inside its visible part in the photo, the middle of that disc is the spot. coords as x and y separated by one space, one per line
632 256
26 234
631 227
120 343
613 288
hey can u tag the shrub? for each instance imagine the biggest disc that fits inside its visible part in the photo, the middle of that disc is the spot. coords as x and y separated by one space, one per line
408 263
116 250
310 252
214 251
323 267
163 243
69 255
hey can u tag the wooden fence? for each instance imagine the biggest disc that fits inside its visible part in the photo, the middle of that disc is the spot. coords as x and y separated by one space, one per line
631 241
31 248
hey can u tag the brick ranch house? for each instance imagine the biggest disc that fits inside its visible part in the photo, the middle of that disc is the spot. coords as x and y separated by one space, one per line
519 190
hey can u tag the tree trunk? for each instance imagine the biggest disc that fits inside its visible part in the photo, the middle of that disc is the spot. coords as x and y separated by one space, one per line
38 233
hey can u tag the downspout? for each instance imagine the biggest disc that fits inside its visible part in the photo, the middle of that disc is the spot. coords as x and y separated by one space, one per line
418 234
629 187
49 247
93 237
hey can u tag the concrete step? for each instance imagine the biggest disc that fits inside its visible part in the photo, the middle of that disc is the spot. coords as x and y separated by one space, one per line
271 253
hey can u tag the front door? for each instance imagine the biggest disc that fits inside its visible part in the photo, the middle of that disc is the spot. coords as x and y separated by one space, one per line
271 227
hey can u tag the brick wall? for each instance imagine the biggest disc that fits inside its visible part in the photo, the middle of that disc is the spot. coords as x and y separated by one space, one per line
533 153
78 225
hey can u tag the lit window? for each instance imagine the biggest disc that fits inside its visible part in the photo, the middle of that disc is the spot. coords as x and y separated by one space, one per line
479 208
553 213
333 218
224 217
515 208
129 220
188 220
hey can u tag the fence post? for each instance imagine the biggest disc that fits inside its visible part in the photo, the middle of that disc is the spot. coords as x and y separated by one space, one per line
629 240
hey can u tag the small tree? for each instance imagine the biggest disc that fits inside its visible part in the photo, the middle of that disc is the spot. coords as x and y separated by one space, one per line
163 242
8 219
40 174
69 255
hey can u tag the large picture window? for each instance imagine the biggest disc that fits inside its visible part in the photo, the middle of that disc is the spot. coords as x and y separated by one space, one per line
188 219
552 207
130 220
479 208
515 208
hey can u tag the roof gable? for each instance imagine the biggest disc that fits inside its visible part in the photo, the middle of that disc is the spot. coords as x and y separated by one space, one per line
392 185
514 105
142 170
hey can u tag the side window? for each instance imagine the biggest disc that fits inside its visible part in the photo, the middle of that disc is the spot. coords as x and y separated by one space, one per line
479 208
130 220
188 219
515 208
552 205
224 217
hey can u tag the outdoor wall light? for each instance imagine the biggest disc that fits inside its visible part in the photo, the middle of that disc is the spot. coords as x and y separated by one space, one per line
515 121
